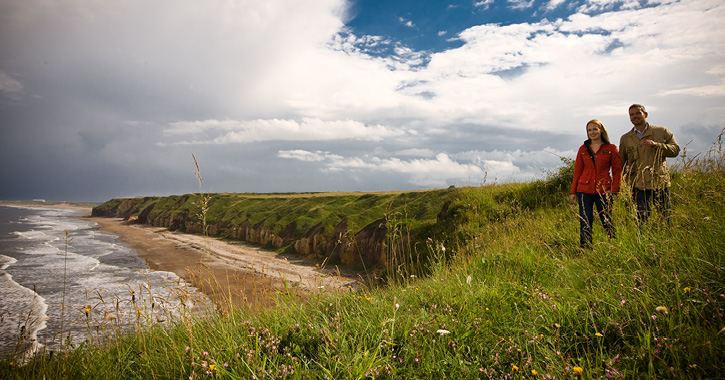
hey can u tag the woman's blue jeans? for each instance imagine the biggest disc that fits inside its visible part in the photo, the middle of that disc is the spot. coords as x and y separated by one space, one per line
586 215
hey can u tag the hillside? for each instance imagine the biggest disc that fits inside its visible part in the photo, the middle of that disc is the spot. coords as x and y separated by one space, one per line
503 292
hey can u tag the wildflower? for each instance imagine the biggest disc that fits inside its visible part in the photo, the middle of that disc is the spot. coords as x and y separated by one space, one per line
598 334
468 280
693 366
514 368
533 372
654 317
87 310
578 371
397 306
443 332
662 309
212 367
443 248
687 289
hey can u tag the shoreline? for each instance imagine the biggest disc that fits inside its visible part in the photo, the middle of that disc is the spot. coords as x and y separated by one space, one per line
225 271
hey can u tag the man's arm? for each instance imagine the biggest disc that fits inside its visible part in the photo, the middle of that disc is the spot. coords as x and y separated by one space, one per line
669 147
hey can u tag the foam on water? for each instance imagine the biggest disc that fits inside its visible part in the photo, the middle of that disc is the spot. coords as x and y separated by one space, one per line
6 261
86 277
23 313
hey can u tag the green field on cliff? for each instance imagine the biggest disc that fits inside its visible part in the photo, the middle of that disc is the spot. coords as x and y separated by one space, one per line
498 289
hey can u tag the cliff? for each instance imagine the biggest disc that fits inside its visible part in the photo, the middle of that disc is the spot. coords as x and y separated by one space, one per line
353 229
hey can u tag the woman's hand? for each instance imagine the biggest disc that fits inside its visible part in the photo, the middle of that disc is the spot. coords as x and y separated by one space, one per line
572 198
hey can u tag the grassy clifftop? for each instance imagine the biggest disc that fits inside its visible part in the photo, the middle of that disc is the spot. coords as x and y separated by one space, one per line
277 211
351 228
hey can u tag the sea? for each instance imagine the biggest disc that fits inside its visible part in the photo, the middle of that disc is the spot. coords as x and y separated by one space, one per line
64 283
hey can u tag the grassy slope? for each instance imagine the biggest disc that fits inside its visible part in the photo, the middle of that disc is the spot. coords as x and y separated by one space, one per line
508 295
298 212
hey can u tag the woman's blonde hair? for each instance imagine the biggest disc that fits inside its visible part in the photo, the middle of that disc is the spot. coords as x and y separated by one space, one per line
605 135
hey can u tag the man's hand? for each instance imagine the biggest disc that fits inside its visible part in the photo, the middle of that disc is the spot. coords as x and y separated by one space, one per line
649 143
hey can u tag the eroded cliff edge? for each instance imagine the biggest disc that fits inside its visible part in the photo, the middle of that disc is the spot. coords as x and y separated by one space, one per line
357 230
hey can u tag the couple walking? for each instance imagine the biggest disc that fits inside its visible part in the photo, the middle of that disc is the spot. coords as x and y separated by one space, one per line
600 168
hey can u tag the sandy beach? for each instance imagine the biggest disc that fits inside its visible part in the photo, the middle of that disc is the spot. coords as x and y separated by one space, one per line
246 274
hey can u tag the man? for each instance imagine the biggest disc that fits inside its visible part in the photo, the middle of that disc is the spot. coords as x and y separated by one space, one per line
643 152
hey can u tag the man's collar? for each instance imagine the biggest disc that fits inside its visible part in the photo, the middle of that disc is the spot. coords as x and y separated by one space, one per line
646 127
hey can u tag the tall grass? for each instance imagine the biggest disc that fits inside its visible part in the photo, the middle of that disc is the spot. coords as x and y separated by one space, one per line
506 294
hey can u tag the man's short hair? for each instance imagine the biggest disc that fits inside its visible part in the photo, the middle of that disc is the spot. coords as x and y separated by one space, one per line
637 106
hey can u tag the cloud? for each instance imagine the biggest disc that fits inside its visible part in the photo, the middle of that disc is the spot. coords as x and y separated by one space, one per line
302 155
308 129
520 4
10 87
406 22
701 91
438 172
281 96
553 4
484 4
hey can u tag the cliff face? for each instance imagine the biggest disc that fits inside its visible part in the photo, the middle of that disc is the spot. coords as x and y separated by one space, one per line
336 242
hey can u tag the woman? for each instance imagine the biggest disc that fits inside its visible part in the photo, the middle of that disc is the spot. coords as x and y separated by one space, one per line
592 184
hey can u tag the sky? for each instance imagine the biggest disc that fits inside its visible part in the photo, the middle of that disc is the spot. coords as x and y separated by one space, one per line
106 99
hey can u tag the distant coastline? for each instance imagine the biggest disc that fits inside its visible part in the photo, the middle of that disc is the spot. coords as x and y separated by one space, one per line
65 205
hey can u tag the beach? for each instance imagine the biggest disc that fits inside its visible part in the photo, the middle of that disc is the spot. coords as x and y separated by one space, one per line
222 269
246 273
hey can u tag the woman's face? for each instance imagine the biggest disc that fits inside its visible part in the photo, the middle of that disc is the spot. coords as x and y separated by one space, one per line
593 131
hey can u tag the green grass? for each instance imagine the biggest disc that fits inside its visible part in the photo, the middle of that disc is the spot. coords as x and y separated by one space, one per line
505 293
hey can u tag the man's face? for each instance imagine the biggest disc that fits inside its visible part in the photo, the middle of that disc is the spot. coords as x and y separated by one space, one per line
637 116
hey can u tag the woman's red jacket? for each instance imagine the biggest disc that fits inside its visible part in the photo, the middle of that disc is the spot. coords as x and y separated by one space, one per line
590 179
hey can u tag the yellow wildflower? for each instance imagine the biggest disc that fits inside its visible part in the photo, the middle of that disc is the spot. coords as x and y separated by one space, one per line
598 334
212 367
533 372
514 368
578 371
687 289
